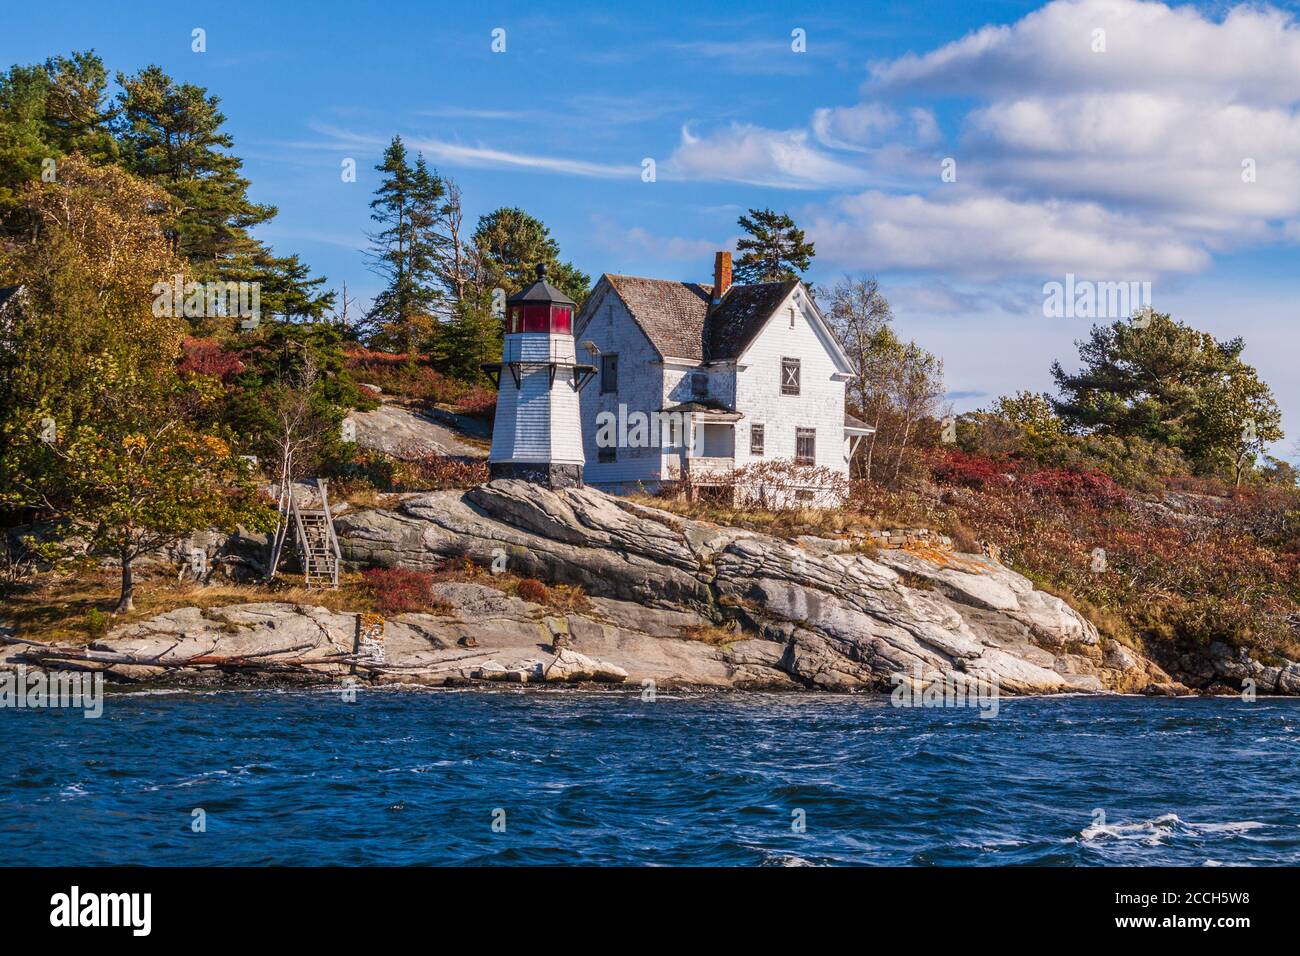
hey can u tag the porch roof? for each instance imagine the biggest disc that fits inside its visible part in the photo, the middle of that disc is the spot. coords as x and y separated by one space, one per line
706 409
856 426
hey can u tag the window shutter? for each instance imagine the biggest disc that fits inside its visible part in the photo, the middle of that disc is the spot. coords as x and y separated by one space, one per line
805 446
789 376
608 374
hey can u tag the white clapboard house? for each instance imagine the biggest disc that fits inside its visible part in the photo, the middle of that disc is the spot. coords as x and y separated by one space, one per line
752 372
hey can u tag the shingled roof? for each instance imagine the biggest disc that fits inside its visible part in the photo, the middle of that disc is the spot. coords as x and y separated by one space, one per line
741 315
675 316
671 314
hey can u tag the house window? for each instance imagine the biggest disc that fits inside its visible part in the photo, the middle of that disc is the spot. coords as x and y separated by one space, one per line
789 376
608 374
605 454
792 317
699 385
805 446
756 440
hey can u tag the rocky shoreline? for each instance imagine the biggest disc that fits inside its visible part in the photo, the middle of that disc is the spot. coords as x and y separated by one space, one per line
670 603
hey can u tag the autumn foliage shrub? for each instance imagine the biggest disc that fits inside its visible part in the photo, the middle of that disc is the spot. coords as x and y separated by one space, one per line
395 374
1177 570
1090 486
207 357
423 469
532 590
970 471
478 402
398 590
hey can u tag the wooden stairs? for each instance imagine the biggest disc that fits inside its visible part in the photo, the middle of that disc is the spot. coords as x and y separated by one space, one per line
318 546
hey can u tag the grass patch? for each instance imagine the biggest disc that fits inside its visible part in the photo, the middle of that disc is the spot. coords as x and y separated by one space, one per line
78 608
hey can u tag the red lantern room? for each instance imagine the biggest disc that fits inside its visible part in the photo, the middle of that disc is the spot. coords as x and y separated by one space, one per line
540 308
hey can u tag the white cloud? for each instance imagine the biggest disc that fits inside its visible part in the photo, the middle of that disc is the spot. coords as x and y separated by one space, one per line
458 154
853 128
1253 51
1183 155
639 242
992 237
761 157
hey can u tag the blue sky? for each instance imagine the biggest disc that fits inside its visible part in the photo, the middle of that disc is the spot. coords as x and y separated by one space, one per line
1114 164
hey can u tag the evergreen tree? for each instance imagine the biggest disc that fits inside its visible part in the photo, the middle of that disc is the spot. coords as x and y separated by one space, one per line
48 111
171 134
1166 382
407 206
774 249
510 243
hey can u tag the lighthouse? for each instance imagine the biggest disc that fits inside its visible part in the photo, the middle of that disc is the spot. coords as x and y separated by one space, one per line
537 434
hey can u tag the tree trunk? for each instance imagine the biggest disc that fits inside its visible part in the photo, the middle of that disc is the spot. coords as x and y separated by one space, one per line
902 448
126 600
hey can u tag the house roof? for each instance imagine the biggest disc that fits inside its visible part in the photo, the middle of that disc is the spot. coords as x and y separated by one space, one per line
671 314
710 406
677 319
741 315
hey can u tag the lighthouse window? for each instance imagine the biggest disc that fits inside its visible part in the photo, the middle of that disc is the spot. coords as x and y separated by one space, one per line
608 374
561 320
536 318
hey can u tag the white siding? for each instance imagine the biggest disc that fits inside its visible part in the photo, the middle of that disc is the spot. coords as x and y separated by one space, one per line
537 421
819 404
605 320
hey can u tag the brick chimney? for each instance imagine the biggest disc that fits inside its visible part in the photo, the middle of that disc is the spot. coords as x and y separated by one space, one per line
721 275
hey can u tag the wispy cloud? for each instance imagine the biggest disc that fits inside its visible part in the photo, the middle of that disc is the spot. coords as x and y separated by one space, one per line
481 156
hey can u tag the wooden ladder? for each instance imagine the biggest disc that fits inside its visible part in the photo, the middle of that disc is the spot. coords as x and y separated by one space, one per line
318 546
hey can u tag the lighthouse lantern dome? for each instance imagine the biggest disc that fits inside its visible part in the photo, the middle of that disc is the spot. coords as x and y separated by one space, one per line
540 308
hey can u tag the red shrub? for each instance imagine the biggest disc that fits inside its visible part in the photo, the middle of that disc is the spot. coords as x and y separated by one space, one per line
423 469
533 590
206 357
1091 486
969 471
396 375
478 401
398 590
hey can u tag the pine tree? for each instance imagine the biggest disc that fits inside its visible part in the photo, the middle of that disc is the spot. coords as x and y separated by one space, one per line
407 205
1166 382
775 249
48 111
510 243
171 134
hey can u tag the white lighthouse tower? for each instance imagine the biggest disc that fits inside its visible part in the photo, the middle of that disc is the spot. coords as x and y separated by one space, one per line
537 435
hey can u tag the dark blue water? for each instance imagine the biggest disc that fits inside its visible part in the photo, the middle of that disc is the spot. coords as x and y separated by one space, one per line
406 777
